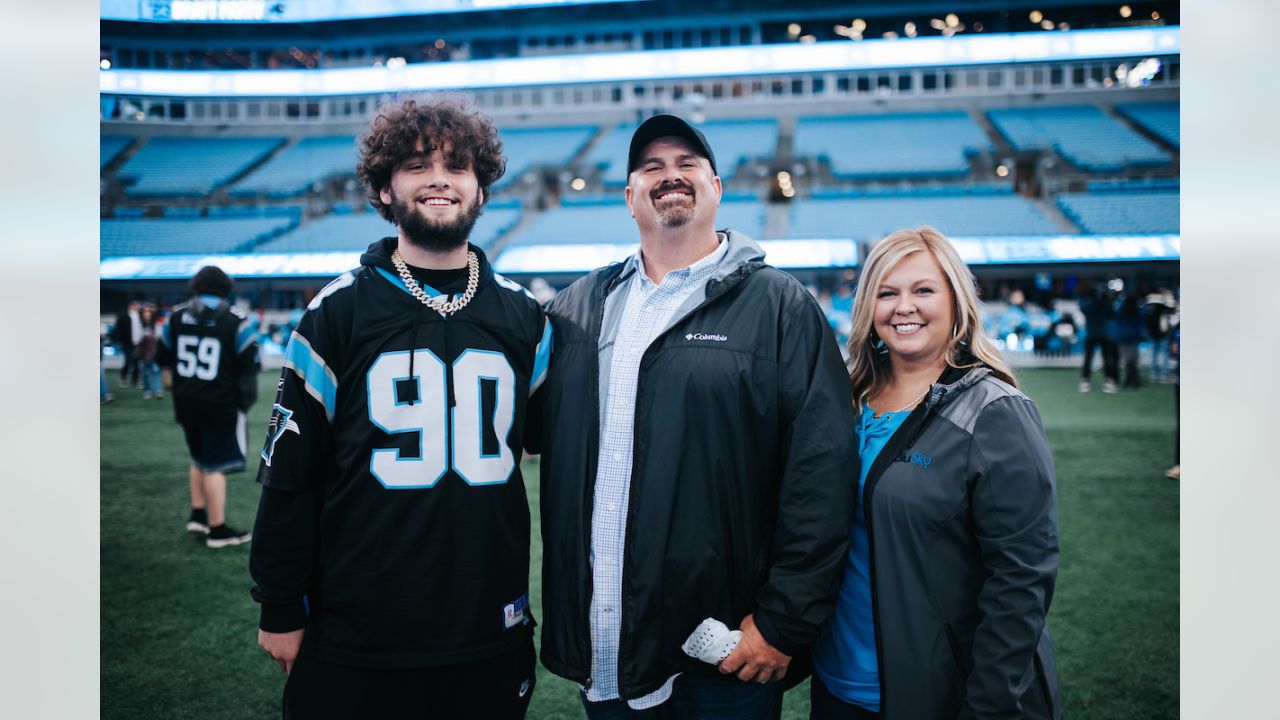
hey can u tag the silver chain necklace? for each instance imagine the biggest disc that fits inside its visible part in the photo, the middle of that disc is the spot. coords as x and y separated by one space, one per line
438 303
913 403
908 406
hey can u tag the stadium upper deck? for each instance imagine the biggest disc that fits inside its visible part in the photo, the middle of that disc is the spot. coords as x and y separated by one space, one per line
981 137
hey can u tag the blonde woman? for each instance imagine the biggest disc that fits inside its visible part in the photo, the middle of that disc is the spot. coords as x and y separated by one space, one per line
941 612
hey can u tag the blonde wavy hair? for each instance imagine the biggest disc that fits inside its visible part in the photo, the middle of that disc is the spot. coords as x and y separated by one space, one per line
869 368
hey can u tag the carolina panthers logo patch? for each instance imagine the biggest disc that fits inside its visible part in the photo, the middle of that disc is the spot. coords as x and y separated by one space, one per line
281 422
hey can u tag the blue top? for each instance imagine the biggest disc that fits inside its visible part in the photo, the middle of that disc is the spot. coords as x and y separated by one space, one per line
845 654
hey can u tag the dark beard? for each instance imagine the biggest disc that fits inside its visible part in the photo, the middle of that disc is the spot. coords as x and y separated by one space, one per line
428 234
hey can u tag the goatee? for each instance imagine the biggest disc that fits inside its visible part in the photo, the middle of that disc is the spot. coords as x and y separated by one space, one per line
433 235
674 215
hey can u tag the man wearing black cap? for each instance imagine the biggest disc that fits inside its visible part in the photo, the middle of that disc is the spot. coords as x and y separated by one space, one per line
704 472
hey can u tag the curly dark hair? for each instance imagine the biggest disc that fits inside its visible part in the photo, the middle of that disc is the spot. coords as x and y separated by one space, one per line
211 280
469 137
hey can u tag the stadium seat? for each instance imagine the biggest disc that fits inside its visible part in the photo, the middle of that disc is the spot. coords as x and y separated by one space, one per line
109 146
191 166
1160 118
299 167
527 148
1123 213
1083 134
186 236
899 145
875 217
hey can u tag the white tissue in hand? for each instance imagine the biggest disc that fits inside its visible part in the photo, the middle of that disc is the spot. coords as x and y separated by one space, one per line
711 642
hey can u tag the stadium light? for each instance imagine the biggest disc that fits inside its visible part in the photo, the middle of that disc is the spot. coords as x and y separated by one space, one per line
649 65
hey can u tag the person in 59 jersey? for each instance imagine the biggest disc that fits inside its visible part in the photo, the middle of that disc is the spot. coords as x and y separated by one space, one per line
391 548
213 349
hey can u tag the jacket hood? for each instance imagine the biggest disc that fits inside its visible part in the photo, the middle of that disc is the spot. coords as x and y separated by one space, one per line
379 255
742 251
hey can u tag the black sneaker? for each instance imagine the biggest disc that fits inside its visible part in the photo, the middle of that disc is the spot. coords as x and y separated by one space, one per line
198 523
224 535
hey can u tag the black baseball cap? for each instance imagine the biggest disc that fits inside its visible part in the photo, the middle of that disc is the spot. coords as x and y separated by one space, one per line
662 126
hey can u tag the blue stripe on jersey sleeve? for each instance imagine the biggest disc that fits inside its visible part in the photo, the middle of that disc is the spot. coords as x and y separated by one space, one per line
541 358
247 333
318 380
395 280
166 335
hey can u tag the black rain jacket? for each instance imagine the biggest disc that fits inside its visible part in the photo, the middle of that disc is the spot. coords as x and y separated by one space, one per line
740 494
963 530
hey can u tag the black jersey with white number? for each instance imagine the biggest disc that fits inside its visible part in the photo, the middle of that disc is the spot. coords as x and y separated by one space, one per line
213 350
392 494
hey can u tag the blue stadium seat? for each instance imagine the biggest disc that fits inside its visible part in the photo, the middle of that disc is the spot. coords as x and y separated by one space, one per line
191 166
900 145
1083 134
610 154
186 236
1160 118
1123 213
296 169
527 148
875 217
109 146
355 231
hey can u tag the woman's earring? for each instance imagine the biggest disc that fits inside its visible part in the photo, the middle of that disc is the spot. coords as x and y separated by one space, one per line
878 345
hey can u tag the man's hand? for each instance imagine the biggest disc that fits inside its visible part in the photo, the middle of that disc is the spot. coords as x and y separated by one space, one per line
754 658
282 647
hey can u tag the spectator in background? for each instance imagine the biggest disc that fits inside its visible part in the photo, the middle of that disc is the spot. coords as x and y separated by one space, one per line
104 394
1099 313
127 333
214 355
948 580
146 353
1158 318
1175 350
1128 335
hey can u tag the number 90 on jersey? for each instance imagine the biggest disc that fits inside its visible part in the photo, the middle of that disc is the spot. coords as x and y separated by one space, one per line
443 441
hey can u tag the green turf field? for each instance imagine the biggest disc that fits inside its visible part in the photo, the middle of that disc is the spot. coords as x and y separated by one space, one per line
179 628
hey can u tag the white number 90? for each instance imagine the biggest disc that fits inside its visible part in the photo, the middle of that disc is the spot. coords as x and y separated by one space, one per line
428 416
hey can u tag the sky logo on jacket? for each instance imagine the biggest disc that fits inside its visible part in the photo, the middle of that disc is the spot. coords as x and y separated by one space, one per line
915 458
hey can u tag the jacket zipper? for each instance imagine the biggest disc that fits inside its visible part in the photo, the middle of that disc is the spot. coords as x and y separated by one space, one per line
873 477
719 290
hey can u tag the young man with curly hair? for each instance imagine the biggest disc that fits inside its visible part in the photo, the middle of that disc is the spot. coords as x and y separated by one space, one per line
391 548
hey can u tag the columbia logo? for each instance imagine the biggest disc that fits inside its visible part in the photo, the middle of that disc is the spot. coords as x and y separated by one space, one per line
704 336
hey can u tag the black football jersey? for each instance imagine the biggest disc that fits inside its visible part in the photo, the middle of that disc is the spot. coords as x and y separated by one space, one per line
406 428
214 355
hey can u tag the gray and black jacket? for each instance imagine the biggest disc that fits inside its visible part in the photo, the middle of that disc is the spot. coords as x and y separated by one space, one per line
963 530
740 494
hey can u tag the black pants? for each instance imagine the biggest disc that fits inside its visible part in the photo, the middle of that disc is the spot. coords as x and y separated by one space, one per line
132 370
498 688
1110 358
823 705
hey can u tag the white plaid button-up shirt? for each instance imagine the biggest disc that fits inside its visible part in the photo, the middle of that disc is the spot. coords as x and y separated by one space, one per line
648 311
